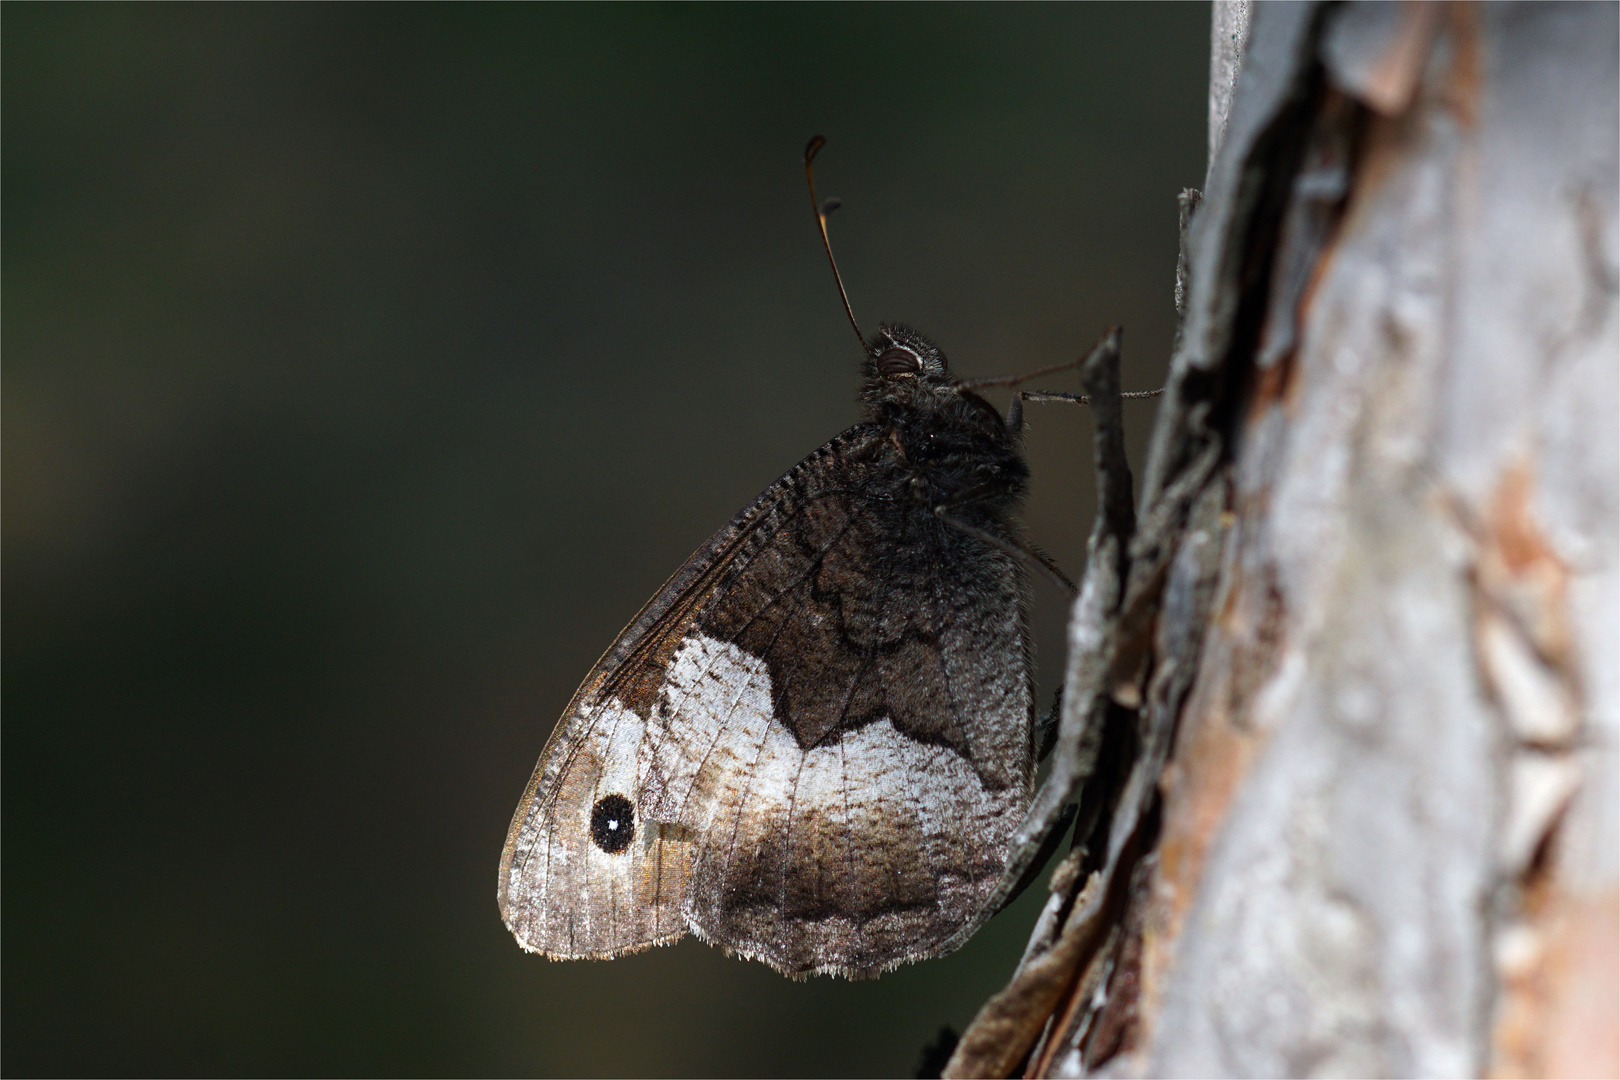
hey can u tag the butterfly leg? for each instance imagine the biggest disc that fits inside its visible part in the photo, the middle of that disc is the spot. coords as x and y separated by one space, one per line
1082 399
1015 408
1024 553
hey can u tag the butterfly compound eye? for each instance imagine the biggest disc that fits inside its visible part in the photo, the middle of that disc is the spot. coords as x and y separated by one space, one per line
898 361
613 823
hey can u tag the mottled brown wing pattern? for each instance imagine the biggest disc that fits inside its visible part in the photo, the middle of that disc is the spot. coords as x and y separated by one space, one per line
560 892
809 749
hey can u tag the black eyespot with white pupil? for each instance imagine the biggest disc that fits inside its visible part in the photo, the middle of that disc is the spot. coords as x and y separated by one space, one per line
898 361
613 823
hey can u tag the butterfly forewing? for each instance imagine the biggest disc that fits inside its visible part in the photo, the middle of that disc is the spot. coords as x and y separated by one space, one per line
810 748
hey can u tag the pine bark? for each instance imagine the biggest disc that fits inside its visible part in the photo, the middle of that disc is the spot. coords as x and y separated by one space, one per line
1341 724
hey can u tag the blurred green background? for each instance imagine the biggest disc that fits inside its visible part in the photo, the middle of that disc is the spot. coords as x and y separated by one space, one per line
367 367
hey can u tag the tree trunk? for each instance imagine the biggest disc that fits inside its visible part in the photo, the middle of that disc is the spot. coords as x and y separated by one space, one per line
1342 737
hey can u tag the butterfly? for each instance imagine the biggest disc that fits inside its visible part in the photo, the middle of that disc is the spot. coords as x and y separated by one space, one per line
813 745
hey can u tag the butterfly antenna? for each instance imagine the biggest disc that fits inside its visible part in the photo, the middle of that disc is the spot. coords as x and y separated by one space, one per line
822 209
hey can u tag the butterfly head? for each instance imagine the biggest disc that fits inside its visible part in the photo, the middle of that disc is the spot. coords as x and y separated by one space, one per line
905 368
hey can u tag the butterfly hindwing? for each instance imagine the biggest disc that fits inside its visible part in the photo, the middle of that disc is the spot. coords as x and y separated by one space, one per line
810 748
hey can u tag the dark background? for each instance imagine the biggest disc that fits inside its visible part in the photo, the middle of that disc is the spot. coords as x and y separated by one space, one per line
366 368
